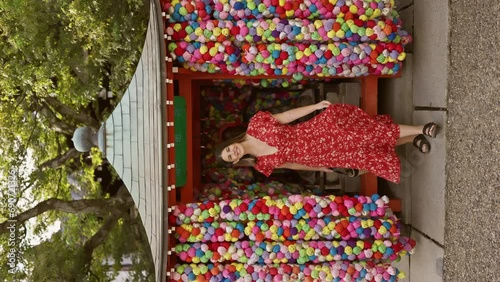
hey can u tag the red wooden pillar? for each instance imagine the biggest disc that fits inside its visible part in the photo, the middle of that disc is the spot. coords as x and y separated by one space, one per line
369 103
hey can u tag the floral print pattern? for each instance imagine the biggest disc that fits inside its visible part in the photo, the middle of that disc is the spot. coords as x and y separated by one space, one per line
341 136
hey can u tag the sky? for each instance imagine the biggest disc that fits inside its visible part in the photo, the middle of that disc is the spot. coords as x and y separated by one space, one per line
28 201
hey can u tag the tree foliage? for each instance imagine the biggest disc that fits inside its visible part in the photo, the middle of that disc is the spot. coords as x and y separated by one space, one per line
55 57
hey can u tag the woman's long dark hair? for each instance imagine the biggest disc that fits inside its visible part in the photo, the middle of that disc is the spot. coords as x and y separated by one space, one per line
246 160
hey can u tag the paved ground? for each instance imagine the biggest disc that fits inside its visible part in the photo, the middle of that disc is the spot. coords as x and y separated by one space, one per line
472 231
451 197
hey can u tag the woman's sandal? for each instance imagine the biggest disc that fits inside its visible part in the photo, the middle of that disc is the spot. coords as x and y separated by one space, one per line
430 129
422 144
352 172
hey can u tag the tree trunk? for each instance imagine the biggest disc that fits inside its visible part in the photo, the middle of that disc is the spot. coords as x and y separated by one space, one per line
68 112
82 268
56 124
60 160
83 75
97 206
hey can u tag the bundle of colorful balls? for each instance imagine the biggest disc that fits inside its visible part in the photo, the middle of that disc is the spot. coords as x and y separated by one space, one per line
266 101
332 271
258 83
328 228
230 189
305 238
226 100
186 10
217 116
283 208
289 30
243 175
302 9
299 59
300 38
301 252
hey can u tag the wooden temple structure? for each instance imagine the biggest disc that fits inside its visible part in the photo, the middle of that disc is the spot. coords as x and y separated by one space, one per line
140 138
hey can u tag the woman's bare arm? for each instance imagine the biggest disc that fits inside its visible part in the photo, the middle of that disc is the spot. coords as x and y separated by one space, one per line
295 166
291 115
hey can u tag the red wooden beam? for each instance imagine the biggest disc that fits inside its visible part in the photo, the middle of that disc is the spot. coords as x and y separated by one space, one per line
369 103
395 205
196 129
185 90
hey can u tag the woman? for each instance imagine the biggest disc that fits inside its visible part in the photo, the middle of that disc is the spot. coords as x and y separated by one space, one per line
341 136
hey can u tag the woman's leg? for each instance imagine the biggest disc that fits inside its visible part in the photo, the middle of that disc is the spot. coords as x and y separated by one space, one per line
409 130
405 140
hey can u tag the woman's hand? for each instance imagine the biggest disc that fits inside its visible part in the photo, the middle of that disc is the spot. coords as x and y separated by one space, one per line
323 104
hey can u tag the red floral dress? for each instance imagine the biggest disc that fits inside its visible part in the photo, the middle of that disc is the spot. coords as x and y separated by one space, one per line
341 136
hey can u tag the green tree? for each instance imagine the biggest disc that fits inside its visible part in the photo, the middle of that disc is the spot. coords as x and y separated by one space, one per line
55 57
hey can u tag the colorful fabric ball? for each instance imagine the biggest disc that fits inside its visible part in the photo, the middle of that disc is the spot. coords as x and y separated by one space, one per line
332 271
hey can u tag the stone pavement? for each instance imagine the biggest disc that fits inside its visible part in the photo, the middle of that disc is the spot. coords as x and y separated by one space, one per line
472 230
451 197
